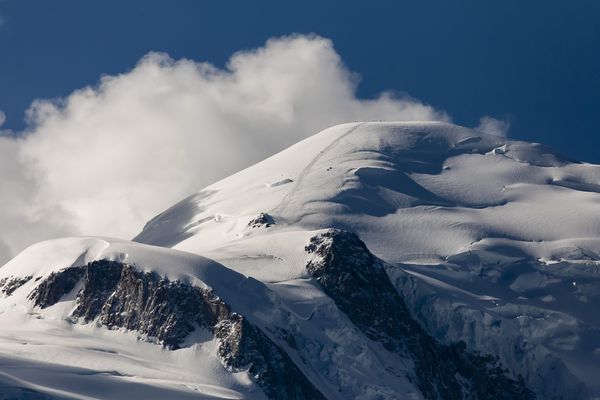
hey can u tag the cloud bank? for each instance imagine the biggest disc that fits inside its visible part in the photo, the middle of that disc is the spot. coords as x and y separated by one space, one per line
105 159
493 126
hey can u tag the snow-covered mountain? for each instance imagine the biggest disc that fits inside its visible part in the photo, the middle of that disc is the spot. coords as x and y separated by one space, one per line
369 261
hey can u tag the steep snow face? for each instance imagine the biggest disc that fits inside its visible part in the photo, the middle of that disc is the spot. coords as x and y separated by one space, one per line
499 239
414 191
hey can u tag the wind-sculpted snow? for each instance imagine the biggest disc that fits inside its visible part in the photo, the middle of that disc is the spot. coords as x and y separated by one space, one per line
414 191
495 226
477 276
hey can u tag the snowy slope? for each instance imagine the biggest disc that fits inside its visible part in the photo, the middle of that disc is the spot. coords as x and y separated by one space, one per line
478 238
496 233
45 351
51 351
437 187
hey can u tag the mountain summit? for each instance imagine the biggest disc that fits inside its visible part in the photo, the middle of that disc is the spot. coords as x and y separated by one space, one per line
375 260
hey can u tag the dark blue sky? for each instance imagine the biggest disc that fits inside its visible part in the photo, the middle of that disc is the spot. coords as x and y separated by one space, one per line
534 62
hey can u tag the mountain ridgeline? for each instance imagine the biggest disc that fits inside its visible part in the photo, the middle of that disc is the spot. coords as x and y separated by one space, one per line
400 260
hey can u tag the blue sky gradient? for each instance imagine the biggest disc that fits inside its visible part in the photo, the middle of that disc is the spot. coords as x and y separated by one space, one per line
535 63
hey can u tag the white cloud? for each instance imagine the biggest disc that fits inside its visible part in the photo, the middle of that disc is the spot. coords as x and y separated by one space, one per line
24 218
107 158
4 132
493 126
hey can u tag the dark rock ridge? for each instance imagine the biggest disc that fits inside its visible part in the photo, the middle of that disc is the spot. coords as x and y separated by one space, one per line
50 290
118 295
358 283
245 347
9 284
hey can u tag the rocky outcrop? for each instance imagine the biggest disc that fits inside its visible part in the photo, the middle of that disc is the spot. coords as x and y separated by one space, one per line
50 290
263 220
245 347
358 283
118 295
9 284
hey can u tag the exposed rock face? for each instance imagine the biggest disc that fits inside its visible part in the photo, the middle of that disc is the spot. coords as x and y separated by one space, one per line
10 284
120 296
357 282
262 220
117 295
55 286
245 347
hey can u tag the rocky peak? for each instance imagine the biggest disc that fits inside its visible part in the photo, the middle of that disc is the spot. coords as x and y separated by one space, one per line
358 283
118 295
9 284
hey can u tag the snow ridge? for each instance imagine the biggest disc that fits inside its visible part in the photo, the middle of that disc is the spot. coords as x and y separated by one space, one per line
464 238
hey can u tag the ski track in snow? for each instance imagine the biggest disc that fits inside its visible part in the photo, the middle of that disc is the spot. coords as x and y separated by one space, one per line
279 210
